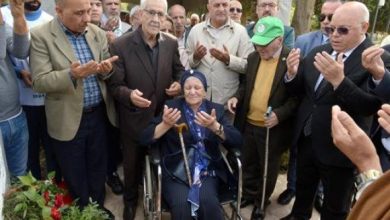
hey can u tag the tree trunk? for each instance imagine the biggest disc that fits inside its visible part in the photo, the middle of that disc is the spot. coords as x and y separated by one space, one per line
303 12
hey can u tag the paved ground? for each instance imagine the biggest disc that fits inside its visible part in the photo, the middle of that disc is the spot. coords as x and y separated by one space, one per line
274 211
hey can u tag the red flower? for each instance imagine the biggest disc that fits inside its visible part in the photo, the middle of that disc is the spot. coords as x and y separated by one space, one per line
67 199
59 200
55 213
46 196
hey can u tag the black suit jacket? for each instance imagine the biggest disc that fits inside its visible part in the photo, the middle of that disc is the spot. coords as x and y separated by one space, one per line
134 70
352 95
283 104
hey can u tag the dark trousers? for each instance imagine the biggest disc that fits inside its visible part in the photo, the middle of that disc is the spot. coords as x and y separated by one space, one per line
337 183
114 152
37 131
176 193
253 157
83 160
133 159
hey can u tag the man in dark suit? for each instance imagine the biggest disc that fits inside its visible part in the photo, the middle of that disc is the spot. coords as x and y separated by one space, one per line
330 74
306 42
144 77
262 87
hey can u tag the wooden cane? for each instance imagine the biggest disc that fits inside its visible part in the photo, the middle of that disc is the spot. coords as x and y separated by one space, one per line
180 128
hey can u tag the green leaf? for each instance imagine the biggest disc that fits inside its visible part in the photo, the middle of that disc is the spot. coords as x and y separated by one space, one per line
46 213
27 180
51 175
19 207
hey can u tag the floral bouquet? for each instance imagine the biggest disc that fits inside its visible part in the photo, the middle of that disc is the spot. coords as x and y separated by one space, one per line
44 200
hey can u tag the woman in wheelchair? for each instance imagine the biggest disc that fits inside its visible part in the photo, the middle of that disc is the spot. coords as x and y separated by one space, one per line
207 128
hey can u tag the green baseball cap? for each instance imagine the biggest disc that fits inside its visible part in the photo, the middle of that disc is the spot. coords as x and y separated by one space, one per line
266 30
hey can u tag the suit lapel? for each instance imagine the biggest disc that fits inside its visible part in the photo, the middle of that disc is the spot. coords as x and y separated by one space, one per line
92 42
143 56
280 70
62 41
327 85
251 76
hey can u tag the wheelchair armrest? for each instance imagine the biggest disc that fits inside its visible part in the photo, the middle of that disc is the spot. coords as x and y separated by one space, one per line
235 151
154 155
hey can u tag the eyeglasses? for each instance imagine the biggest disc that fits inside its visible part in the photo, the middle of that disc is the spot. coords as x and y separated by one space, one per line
340 30
153 13
264 5
322 17
238 10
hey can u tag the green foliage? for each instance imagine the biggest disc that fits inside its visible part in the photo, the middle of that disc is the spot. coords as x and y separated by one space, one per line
44 200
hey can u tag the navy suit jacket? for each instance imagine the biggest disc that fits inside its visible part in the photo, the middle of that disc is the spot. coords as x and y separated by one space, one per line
306 42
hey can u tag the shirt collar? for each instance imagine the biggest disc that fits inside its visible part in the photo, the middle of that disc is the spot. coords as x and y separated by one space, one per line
349 52
69 32
228 24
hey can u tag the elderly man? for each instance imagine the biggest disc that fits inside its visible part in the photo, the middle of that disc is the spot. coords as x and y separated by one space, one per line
306 42
32 102
218 47
144 77
13 124
263 87
178 15
135 17
330 74
111 20
270 8
70 60
235 11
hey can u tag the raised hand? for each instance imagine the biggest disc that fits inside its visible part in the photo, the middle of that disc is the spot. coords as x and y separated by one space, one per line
174 89
350 139
332 70
372 61
137 100
293 62
200 51
206 120
79 71
105 66
221 55
170 116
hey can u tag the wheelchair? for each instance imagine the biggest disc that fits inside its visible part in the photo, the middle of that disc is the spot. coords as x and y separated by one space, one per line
153 203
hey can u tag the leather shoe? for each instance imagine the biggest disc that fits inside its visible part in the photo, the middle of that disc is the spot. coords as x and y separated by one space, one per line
257 214
318 202
115 183
246 202
286 196
128 212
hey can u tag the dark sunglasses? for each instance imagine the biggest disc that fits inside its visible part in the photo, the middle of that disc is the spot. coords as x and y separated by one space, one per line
322 17
340 30
238 10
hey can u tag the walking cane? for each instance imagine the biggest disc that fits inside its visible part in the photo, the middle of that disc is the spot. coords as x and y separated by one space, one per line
180 128
267 115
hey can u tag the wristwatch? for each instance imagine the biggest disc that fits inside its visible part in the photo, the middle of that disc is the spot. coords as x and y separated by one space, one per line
365 178
220 130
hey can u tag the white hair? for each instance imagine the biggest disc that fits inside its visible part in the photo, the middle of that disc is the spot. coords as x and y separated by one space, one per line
144 3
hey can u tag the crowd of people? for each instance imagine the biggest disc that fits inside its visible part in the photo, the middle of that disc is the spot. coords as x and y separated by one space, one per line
94 91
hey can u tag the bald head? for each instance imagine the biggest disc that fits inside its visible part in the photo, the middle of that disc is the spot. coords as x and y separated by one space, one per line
355 9
348 26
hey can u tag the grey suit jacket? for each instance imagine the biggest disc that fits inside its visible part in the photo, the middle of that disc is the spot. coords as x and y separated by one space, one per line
50 58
